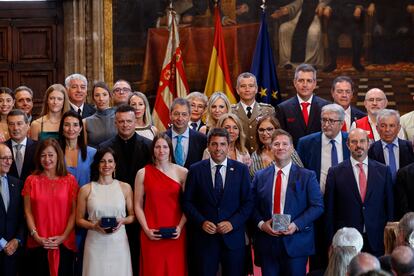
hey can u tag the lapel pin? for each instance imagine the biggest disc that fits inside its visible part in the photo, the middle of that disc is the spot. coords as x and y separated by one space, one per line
231 169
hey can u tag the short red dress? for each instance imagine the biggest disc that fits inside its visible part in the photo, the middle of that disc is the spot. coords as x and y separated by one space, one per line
51 204
162 208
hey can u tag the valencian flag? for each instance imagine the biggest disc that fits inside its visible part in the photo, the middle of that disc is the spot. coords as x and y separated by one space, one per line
173 82
218 78
263 67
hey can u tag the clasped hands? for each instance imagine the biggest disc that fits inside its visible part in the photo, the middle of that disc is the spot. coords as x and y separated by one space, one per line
267 227
222 227
51 242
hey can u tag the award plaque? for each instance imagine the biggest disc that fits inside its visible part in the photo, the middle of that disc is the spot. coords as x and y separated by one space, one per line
280 222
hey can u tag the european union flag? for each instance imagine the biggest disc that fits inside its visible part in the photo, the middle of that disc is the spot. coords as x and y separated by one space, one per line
263 67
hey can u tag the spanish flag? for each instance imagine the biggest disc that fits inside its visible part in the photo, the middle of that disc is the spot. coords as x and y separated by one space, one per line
218 78
173 82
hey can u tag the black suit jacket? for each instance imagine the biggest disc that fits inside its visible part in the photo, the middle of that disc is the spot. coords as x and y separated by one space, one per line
12 224
140 156
196 145
406 152
88 110
28 162
356 114
404 191
291 119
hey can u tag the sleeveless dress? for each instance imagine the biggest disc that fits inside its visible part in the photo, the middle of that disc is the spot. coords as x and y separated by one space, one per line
106 254
43 135
162 209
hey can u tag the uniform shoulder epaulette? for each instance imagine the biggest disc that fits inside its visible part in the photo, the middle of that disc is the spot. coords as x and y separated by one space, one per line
265 105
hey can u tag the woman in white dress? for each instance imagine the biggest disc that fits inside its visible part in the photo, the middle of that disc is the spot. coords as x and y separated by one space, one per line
106 249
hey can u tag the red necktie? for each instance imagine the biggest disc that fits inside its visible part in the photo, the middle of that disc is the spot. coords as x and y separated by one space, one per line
278 190
344 127
362 181
305 112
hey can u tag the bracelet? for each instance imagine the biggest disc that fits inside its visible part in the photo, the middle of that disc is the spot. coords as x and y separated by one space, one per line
33 232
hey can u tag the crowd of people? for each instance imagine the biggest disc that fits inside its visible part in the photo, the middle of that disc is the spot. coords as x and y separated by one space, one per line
306 187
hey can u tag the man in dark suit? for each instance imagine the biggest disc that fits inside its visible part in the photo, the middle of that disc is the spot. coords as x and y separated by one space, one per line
248 110
391 150
345 16
77 87
342 92
121 92
285 188
328 149
22 147
404 191
301 114
12 224
133 153
188 144
359 194
198 102
24 100
217 203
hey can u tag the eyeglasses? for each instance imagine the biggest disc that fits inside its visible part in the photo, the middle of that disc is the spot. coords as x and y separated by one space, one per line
123 90
329 121
268 130
6 158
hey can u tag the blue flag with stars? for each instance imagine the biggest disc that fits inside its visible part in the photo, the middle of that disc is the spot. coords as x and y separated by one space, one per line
263 67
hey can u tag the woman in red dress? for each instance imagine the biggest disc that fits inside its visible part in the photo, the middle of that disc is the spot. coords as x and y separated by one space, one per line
161 183
49 204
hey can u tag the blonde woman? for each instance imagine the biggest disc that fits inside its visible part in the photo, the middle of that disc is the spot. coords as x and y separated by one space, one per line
143 125
237 149
217 105
55 103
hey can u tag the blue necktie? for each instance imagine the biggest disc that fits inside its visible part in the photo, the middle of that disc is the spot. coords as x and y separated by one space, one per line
391 157
218 183
179 152
334 154
5 192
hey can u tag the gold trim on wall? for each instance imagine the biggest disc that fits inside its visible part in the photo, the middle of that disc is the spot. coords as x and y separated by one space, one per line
108 45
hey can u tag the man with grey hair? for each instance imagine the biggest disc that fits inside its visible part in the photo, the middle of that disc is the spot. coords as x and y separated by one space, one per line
77 87
300 115
391 150
375 101
198 102
348 236
362 263
248 110
328 149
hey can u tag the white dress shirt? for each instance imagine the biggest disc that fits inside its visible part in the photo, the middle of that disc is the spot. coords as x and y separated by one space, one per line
245 106
348 118
355 169
308 101
223 171
326 149
22 149
76 108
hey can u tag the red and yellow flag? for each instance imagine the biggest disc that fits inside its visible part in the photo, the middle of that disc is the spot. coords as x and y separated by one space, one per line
173 82
218 78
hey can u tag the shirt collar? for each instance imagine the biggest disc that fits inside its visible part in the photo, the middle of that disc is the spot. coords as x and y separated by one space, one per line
75 107
395 142
354 162
285 169
213 164
185 134
24 142
338 138
302 101
245 106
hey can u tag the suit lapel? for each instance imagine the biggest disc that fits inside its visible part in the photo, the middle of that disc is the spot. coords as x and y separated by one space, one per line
230 175
255 112
318 145
268 188
371 177
290 189
354 183
314 111
345 150
380 151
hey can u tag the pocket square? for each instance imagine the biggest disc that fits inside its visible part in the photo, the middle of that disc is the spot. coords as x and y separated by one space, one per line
291 120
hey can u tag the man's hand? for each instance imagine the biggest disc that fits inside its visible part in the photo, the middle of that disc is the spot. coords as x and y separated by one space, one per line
327 12
357 12
267 227
11 247
224 227
209 227
292 228
227 21
280 12
371 9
